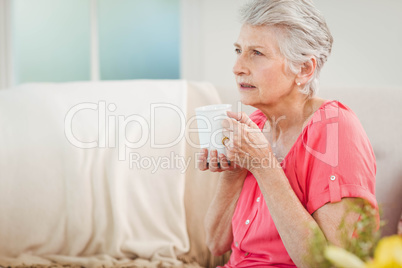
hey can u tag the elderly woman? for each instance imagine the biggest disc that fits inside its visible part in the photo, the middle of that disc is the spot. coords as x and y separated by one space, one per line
298 161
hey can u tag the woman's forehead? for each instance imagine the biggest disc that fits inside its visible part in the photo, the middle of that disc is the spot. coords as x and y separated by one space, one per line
260 36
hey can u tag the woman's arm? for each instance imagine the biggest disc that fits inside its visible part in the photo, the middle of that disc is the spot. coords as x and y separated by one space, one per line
218 220
294 224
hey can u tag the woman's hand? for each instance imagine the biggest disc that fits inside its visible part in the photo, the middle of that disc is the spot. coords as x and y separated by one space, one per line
247 146
217 163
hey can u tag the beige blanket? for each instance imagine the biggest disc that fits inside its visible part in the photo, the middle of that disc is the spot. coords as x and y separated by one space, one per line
91 175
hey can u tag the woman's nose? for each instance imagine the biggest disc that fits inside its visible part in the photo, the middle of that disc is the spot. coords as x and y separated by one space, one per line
240 66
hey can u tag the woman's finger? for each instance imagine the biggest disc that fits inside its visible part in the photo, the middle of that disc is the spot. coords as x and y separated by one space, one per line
242 118
226 133
227 123
224 162
213 160
202 160
205 151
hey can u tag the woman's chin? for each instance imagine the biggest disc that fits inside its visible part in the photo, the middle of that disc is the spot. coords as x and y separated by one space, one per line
247 101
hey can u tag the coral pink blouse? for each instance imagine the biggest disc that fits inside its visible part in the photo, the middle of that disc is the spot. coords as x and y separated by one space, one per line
331 159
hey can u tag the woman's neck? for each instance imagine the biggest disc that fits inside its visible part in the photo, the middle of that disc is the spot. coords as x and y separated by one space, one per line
289 114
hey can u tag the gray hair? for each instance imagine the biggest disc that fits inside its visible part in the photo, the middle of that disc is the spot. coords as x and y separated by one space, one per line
304 32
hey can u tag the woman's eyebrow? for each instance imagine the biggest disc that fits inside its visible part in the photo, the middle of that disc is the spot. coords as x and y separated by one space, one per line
254 47
249 47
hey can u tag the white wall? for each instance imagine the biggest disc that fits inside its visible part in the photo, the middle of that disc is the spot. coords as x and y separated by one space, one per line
367 50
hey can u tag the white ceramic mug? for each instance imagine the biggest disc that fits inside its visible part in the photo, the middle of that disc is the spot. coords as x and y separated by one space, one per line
209 123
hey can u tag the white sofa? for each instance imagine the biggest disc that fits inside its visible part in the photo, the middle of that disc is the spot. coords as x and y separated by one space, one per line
68 193
77 183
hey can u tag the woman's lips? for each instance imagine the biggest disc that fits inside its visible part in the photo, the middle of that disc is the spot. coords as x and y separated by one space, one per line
245 86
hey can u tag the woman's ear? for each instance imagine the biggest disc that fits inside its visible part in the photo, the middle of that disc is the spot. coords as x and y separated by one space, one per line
306 71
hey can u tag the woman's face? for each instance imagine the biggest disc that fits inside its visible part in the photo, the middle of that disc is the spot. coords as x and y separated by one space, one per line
260 70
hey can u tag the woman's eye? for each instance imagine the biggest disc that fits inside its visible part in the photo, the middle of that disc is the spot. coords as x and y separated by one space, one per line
237 51
256 52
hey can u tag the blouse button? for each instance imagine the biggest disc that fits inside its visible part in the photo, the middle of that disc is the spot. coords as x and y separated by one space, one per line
236 244
333 178
258 199
246 254
247 222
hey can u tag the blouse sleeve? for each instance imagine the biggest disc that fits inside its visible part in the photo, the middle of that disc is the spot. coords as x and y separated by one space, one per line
338 160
